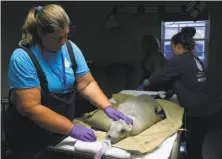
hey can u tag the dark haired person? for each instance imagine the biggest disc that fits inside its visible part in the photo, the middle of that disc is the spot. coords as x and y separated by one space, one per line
185 75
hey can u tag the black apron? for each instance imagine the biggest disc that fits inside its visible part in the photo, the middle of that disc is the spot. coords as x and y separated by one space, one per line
25 138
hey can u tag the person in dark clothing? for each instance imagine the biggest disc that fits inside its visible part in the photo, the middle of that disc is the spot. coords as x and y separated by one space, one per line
185 75
153 60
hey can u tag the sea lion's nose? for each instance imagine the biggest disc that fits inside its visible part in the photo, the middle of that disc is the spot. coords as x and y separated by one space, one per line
109 137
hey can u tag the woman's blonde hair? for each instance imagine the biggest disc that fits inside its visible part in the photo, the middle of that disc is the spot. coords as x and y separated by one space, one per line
47 19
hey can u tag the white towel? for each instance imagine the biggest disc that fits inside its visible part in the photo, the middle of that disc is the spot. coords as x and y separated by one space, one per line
93 147
67 144
163 152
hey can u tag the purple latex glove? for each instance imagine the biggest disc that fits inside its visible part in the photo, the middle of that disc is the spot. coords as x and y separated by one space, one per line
82 133
116 115
140 87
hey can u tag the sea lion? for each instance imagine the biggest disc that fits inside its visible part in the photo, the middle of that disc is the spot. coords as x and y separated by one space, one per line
142 109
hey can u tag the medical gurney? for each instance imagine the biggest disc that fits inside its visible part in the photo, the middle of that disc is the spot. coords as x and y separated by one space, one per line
170 148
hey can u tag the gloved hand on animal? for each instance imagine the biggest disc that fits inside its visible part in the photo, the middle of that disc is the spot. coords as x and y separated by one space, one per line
82 133
117 115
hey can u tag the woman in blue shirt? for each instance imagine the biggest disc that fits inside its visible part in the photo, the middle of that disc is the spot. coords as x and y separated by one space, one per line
42 77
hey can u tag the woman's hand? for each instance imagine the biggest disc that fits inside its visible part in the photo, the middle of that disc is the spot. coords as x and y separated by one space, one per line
82 133
140 87
117 115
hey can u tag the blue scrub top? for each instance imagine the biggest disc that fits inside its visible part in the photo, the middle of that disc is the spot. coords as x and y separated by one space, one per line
57 67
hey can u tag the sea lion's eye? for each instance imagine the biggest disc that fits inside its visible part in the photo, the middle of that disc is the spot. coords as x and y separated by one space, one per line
122 131
109 137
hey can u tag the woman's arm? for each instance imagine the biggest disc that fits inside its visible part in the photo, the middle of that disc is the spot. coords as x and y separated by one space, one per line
169 73
89 88
28 103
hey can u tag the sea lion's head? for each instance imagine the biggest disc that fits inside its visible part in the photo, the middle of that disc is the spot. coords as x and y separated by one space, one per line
119 130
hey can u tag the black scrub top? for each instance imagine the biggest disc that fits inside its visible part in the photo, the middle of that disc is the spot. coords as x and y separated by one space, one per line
185 75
